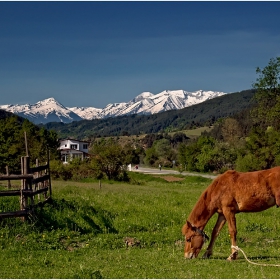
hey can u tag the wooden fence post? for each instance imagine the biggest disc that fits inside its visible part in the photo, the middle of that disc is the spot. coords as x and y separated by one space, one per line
37 185
22 202
48 168
26 144
7 172
24 183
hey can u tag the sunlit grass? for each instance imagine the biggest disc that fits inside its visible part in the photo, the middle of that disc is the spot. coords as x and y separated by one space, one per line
81 235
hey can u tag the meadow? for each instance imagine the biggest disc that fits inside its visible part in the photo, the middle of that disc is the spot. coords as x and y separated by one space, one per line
82 234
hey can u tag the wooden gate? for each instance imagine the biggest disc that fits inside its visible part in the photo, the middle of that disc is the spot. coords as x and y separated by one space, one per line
35 188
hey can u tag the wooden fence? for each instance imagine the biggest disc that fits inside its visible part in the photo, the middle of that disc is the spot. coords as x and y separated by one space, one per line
35 189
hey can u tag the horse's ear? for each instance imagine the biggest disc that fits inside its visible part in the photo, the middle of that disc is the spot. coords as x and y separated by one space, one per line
189 224
186 226
184 229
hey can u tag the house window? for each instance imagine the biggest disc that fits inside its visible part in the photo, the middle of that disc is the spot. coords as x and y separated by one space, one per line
85 146
65 158
74 147
65 145
77 156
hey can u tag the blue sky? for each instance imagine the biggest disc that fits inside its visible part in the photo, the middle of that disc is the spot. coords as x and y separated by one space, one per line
95 53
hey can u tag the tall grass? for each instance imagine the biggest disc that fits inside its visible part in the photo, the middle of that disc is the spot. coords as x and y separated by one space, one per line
81 234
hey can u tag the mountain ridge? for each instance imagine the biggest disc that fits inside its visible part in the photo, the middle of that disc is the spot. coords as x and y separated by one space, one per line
50 110
204 113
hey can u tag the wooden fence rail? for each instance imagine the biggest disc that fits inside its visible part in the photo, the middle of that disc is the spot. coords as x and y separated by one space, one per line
35 188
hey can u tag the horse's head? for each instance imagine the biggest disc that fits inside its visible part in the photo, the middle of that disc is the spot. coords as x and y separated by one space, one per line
195 239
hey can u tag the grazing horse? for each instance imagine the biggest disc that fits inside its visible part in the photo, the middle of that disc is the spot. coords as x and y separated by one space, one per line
230 193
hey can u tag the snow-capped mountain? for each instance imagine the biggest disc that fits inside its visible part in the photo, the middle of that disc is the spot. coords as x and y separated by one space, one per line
49 110
149 103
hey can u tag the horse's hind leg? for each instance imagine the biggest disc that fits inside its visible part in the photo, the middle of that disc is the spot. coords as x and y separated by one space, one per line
215 232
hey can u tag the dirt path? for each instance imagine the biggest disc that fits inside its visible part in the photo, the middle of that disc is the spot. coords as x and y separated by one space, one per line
171 171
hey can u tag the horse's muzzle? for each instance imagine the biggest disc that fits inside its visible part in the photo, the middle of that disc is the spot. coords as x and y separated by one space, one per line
189 255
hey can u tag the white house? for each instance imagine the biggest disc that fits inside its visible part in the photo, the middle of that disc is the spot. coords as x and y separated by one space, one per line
71 148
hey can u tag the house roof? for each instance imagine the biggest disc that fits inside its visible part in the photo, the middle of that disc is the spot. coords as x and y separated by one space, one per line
74 140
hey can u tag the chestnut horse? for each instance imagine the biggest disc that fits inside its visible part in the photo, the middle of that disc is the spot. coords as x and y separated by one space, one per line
229 194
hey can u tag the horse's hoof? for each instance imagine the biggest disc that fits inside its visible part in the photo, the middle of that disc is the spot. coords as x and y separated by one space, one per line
206 255
232 257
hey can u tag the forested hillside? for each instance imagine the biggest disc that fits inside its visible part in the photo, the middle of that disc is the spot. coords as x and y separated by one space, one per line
206 113
4 114
12 141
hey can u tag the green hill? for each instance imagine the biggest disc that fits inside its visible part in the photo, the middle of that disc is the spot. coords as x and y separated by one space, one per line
4 114
205 113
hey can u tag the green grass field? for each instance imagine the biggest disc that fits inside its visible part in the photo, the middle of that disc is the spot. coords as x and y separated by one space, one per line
193 133
81 235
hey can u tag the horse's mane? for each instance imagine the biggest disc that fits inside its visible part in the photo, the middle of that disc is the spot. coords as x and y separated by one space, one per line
201 209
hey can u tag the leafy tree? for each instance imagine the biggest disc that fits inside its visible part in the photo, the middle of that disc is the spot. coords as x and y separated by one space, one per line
161 152
223 157
262 150
204 157
268 94
109 159
162 148
196 155
151 156
132 153
178 137
207 154
12 142
60 170
187 155
149 139
231 130
248 162
166 153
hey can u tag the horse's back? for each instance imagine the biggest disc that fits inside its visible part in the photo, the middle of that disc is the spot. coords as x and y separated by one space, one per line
247 191
257 179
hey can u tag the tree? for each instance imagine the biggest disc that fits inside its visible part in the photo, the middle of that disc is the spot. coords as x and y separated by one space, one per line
151 156
109 159
197 156
132 153
231 130
187 155
12 142
178 137
267 94
205 155
164 151
262 150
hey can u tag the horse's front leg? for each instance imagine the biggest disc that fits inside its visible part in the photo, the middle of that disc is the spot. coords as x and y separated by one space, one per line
215 232
230 216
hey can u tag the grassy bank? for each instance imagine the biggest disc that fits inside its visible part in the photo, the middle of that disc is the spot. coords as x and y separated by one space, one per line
81 235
